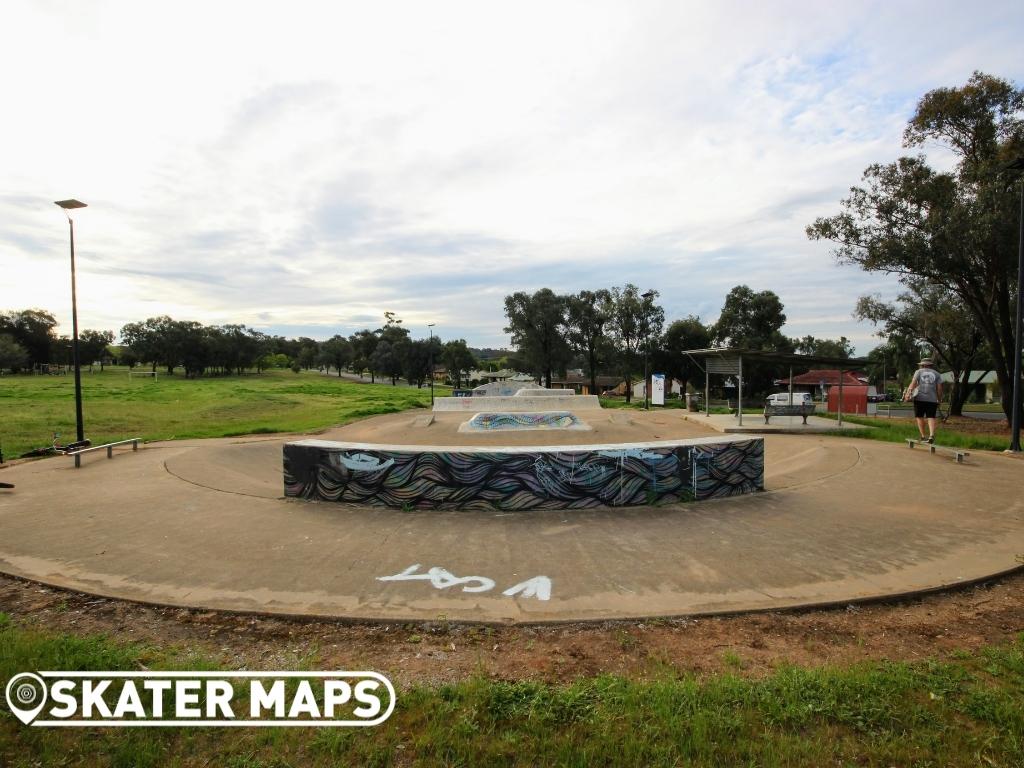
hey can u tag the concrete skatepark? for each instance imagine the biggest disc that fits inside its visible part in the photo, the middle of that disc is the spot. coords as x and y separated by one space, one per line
203 523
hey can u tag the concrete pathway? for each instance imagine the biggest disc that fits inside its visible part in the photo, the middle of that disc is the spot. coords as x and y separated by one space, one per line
201 523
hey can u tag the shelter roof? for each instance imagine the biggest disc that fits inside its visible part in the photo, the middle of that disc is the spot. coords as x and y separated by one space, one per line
786 358
830 376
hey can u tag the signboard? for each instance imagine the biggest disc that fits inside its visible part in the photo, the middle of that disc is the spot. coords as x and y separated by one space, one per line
462 393
723 365
657 389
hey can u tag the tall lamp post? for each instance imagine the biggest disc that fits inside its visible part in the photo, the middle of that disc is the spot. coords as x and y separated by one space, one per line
68 206
649 296
431 327
1018 165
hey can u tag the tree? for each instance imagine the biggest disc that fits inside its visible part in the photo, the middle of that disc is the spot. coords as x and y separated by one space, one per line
896 358
141 340
364 343
587 314
416 360
681 335
809 345
633 321
387 361
336 351
92 346
752 321
392 332
13 356
954 229
936 316
458 360
192 347
537 326
308 349
235 347
33 329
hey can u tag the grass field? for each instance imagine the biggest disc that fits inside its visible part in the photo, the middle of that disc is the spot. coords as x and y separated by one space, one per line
962 710
964 433
32 408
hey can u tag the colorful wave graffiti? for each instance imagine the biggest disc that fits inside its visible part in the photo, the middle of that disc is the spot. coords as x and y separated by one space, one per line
542 479
540 420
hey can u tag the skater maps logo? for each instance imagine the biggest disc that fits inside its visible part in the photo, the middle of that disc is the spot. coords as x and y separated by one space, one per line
147 699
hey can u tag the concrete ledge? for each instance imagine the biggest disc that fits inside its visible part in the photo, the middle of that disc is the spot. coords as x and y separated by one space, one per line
522 403
523 478
545 393
523 422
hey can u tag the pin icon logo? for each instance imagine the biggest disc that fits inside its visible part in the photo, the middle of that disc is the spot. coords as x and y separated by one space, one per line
26 696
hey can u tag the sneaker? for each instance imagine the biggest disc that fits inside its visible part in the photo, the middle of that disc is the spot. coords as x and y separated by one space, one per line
929 440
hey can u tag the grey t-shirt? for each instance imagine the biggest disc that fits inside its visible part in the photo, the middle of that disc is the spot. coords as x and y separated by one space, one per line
927 382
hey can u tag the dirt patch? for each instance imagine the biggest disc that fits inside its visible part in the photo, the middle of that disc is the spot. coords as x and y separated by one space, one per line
432 653
969 426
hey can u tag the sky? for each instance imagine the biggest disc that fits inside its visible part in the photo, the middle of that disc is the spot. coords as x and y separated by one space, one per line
304 167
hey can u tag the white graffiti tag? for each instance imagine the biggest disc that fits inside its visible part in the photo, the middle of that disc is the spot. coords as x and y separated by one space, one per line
440 578
538 586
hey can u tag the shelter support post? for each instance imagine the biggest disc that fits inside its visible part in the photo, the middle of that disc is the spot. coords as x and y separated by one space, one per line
739 391
839 404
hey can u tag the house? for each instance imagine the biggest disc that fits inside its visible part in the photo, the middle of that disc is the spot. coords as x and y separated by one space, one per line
984 383
581 383
818 381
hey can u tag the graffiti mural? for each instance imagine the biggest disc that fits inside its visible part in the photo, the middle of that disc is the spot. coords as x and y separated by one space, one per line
541 420
532 478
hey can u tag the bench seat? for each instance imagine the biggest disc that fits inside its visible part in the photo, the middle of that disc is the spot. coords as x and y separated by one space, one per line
803 409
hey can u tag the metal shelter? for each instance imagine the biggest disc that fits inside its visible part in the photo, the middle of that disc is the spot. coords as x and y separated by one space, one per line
729 361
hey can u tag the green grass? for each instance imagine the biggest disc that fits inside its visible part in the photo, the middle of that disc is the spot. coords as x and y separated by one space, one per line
966 710
638 403
899 431
116 408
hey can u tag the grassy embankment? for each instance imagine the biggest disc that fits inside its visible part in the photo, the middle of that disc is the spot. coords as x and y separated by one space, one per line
963 710
32 408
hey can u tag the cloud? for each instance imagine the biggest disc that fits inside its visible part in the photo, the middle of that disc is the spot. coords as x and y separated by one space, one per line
311 166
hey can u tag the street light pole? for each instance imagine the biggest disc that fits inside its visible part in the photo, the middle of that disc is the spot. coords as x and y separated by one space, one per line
431 327
68 206
1018 165
1015 421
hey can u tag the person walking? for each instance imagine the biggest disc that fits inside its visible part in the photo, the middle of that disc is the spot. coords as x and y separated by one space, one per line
925 389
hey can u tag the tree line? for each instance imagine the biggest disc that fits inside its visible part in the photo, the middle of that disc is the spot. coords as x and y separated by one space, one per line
28 339
610 331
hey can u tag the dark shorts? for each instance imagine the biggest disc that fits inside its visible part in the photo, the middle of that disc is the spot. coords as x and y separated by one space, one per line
923 409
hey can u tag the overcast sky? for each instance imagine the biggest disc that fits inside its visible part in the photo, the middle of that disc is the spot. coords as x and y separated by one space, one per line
304 167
